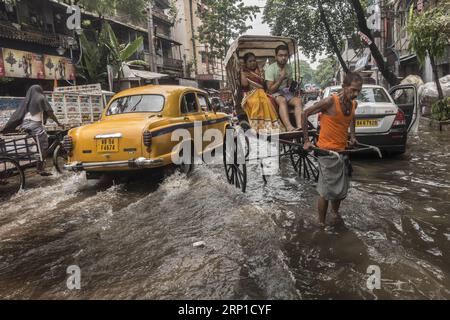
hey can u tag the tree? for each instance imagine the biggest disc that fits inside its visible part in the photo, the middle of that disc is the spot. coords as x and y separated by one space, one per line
325 72
94 60
318 26
105 50
327 23
135 9
223 21
387 73
118 53
308 74
429 36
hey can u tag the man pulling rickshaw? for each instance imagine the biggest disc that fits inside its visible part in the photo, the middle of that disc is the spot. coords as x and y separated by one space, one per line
338 116
323 159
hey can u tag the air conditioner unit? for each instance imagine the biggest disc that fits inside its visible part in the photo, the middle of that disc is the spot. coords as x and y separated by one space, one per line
374 21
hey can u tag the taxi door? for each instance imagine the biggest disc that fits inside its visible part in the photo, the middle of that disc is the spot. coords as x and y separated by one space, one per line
213 120
194 118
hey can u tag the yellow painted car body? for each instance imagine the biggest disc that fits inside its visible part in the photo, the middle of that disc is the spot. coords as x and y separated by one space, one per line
116 142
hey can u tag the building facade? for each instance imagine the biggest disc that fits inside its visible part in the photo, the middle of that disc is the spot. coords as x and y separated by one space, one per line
388 21
35 42
35 45
199 63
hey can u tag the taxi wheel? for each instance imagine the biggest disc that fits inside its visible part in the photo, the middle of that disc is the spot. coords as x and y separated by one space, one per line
187 168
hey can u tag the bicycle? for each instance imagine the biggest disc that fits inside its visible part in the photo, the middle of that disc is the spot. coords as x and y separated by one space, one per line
59 154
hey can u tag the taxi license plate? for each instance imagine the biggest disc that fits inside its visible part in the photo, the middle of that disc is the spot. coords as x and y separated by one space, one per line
367 123
108 145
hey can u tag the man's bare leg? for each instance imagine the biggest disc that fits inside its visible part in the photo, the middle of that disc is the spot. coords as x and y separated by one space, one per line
323 208
284 113
297 103
336 205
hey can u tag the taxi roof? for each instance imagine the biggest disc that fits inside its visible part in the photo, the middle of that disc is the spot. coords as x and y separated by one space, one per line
165 90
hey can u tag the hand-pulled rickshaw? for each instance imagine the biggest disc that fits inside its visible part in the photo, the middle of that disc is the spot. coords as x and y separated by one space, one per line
291 144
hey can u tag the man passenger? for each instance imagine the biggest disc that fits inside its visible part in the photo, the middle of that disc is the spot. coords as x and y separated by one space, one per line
279 77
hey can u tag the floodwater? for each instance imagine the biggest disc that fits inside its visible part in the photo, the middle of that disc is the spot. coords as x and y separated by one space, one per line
135 240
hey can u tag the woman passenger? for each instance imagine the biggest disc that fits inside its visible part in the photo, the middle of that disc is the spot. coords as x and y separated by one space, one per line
257 104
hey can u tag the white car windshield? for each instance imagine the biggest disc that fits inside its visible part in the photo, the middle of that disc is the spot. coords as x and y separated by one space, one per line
136 104
373 95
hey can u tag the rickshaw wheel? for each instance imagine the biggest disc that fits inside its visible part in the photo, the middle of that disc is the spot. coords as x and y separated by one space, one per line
236 172
12 178
304 163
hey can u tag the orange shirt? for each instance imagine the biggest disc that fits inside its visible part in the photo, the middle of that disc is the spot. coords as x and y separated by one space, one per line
334 129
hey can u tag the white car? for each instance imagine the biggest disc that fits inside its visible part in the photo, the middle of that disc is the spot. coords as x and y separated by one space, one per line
383 118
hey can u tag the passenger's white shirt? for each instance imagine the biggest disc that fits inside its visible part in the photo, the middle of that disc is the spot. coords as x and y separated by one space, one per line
36 117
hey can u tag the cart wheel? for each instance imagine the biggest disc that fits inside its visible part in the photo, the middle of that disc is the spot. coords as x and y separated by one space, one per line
304 163
60 159
235 170
12 178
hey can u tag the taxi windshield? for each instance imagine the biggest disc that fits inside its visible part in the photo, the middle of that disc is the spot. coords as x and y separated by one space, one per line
136 104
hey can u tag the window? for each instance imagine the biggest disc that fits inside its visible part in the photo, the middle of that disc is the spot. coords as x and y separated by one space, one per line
189 104
203 54
373 95
204 103
136 104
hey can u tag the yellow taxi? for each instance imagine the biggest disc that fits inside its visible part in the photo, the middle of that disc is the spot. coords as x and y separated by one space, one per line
136 129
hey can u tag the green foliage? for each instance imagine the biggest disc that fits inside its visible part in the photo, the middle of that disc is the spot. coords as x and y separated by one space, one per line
430 31
104 50
222 22
189 68
440 110
10 2
325 72
135 9
94 59
307 73
173 12
301 21
118 54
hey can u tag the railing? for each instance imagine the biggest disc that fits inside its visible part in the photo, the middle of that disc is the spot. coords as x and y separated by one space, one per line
162 34
161 15
173 63
54 40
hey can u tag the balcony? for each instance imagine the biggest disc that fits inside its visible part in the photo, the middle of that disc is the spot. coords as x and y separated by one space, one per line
174 64
164 4
158 13
9 31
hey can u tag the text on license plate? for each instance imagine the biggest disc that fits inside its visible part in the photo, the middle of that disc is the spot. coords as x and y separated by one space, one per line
366 123
108 145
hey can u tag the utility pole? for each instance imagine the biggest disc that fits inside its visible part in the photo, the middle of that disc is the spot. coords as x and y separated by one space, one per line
194 47
151 37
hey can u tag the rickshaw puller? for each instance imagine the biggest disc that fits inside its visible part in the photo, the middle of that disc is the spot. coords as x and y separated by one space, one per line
338 116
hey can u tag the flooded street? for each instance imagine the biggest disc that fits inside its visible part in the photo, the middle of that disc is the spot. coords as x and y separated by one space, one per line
135 240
